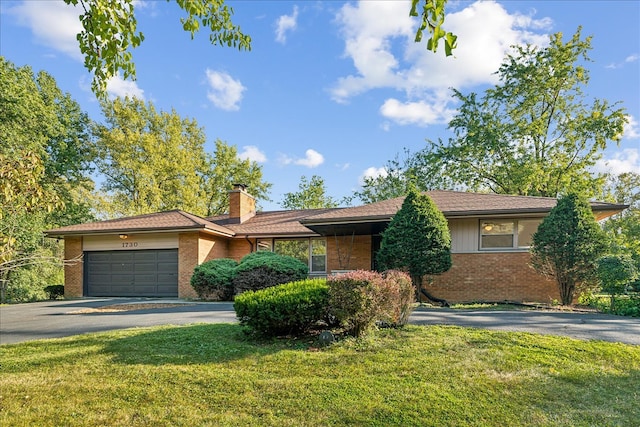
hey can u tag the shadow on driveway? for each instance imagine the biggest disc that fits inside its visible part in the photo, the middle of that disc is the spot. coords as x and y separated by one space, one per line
53 319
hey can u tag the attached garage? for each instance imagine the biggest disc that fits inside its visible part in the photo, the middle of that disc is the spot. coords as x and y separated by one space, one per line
142 273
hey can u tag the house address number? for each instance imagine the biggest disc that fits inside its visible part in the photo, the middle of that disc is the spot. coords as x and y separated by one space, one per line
129 244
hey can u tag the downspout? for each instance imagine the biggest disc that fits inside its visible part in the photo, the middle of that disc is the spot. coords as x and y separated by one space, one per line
250 243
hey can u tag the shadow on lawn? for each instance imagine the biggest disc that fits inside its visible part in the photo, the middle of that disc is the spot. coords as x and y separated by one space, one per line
178 345
193 344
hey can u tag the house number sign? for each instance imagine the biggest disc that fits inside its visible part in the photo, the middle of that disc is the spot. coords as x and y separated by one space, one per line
129 244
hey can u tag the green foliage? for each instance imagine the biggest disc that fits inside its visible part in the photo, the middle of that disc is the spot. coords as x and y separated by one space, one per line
155 161
44 162
214 279
226 168
624 228
263 269
535 133
417 239
287 309
110 33
432 15
567 245
399 174
311 195
54 291
361 299
615 273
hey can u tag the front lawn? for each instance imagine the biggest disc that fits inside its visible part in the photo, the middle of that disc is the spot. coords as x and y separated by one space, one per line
213 375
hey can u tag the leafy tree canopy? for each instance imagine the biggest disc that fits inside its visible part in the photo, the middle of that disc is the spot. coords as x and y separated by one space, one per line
534 133
311 195
155 161
44 160
624 228
567 245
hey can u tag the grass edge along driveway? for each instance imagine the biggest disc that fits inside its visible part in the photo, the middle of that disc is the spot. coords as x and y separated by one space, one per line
213 374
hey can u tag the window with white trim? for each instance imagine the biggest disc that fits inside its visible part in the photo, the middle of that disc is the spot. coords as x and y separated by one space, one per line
499 234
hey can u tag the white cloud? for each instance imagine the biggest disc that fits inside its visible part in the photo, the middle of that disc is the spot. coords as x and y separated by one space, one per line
252 153
312 159
286 23
117 87
373 173
53 23
627 160
420 113
379 39
224 91
629 59
631 128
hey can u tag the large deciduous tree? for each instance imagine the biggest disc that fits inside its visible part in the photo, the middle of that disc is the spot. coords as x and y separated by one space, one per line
534 133
156 161
417 241
567 245
311 195
44 154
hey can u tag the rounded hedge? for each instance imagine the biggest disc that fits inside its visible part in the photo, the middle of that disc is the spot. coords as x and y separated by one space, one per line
213 279
287 309
260 270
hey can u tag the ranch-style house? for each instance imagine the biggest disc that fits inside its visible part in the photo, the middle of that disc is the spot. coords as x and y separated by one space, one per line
154 255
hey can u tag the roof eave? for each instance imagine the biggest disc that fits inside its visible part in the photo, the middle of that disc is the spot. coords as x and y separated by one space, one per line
145 230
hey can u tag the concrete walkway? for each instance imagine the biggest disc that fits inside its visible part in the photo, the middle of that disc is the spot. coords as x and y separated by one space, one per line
52 319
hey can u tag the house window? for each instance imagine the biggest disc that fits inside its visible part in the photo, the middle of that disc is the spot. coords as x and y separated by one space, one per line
507 234
312 252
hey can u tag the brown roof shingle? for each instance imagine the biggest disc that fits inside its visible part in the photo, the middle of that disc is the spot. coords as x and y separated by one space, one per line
170 220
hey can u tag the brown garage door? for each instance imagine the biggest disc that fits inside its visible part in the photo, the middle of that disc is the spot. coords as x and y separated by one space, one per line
145 273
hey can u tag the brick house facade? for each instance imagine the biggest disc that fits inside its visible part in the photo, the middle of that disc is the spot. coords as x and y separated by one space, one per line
155 254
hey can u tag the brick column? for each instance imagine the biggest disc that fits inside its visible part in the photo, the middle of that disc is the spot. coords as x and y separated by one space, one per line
74 267
187 260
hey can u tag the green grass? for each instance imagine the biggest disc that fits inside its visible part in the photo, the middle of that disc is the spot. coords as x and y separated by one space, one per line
214 375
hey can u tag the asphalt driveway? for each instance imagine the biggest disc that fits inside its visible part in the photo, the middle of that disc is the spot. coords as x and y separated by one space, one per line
53 319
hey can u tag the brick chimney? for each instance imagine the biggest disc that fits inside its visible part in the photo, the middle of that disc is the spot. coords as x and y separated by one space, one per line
242 205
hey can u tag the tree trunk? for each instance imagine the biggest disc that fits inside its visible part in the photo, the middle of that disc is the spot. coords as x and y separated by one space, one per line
417 282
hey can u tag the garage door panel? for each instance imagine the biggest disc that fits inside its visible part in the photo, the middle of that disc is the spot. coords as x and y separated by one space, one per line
151 273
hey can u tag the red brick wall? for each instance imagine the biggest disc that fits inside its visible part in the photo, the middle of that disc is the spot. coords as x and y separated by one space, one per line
352 256
239 247
188 251
495 276
73 271
211 247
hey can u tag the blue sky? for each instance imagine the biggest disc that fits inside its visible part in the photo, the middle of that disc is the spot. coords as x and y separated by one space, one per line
332 88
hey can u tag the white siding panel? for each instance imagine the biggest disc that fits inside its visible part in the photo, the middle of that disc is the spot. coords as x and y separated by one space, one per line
113 242
464 235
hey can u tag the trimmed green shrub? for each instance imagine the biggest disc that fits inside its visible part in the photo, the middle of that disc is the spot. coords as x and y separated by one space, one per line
213 280
417 240
288 309
263 269
54 291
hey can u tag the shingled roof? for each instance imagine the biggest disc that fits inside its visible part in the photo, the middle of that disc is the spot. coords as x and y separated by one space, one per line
175 220
273 223
456 204
309 222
